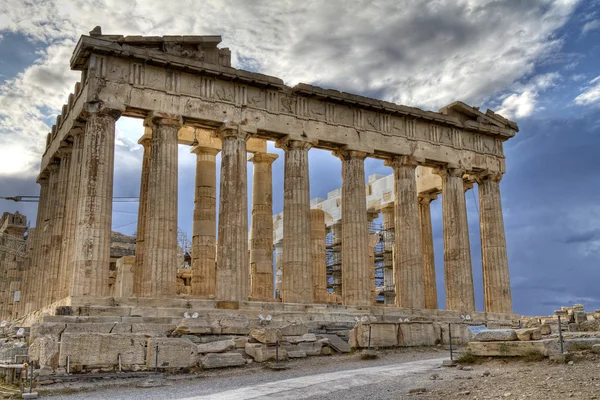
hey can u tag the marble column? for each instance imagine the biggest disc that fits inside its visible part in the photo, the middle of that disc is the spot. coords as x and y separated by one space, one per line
408 268
45 262
160 238
72 206
279 269
58 228
297 263
32 295
91 258
356 275
429 284
204 229
261 242
496 278
389 226
458 272
318 255
140 273
232 248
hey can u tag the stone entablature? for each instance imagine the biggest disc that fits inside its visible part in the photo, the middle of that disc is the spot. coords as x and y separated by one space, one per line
138 77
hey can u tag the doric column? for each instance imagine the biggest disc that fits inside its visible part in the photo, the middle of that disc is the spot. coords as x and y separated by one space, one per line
429 284
204 229
160 238
279 269
91 258
408 268
297 265
389 226
140 273
35 265
45 261
261 242
356 275
318 255
58 228
496 279
458 272
232 248
66 256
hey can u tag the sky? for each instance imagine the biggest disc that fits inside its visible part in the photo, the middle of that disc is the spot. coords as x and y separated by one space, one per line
535 62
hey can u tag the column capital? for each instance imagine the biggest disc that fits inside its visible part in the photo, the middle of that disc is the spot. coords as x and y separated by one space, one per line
145 141
98 107
292 143
427 198
487 175
157 118
230 130
53 167
263 158
449 171
403 161
204 149
65 149
347 154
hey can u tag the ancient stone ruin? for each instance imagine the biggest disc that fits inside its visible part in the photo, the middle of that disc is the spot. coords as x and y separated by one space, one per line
185 90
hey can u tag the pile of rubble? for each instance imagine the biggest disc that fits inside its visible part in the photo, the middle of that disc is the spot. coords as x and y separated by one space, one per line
579 331
208 341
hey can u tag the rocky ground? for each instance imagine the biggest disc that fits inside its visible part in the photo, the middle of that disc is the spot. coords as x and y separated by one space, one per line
518 379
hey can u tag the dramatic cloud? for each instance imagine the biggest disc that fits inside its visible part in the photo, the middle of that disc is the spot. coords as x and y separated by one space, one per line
412 53
590 94
522 103
591 26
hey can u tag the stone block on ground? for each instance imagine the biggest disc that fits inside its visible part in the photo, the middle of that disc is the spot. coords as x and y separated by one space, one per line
498 335
45 329
266 335
296 354
222 360
102 349
596 348
215 347
580 344
382 335
193 326
512 348
44 351
236 324
590 325
172 353
150 329
311 348
295 328
337 343
580 316
240 342
9 350
261 352
529 334
545 329
412 334
573 327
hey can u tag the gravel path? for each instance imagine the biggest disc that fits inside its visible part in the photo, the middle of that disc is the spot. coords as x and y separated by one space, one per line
334 377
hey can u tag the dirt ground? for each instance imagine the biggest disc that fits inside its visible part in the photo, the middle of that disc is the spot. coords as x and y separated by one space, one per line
518 379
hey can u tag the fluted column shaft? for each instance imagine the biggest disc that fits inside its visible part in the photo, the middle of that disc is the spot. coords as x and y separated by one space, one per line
160 238
58 228
457 254
389 226
408 268
318 255
32 293
204 229
65 275
496 278
232 249
261 238
356 275
45 261
91 258
429 284
279 269
141 274
297 262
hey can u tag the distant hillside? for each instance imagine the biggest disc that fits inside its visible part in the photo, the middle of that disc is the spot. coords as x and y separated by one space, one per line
121 245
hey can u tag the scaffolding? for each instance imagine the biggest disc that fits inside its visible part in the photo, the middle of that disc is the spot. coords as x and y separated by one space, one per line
382 241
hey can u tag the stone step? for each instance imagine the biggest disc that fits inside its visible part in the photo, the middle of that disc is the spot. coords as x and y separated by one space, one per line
337 343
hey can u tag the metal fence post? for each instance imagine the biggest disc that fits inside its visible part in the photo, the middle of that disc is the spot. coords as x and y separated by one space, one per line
156 358
560 336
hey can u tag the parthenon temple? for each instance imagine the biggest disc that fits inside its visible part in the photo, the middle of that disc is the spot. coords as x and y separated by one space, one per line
186 92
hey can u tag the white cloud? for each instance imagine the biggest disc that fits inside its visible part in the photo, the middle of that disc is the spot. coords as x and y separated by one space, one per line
523 102
590 94
423 55
591 26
